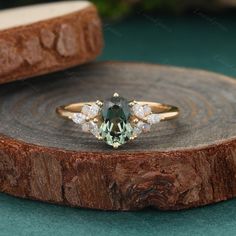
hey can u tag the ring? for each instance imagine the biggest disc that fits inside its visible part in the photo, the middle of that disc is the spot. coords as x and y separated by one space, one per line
117 120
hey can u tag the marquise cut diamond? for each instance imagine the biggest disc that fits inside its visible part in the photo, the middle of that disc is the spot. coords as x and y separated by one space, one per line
138 111
90 111
153 119
86 127
94 128
91 127
141 111
78 118
147 110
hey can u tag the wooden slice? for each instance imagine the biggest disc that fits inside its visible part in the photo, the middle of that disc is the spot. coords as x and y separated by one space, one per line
182 163
31 43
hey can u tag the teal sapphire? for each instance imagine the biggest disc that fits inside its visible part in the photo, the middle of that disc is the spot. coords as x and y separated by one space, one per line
116 128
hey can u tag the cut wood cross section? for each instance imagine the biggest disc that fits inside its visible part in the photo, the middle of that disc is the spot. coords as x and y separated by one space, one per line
31 43
182 163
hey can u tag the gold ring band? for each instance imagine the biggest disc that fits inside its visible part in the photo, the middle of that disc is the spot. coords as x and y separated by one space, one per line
165 111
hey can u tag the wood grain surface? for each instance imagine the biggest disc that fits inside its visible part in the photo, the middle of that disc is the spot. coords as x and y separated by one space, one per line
49 45
182 163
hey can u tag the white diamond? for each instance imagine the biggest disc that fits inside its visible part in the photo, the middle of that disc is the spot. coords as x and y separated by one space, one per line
137 131
78 118
94 128
141 127
153 119
86 127
90 111
146 127
138 111
90 127
138 128
147 110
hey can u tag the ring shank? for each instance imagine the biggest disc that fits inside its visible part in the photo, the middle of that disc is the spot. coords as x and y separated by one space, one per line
67 111
166 112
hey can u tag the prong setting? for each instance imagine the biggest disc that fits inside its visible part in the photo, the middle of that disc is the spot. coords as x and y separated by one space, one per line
99 103
99 137
95 120
132 103
116 145
116 95
133 137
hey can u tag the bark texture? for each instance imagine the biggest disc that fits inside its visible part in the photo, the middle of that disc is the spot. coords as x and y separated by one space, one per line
185 163
50 45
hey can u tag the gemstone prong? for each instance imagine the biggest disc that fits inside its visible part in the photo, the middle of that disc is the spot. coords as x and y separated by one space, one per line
133 137
116 95
135 120
99 137
99 103
95 120
115 145
132 103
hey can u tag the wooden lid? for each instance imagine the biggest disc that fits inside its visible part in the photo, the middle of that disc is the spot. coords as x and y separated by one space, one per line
31 43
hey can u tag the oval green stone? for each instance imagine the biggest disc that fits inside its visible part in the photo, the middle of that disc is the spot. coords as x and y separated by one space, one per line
116 129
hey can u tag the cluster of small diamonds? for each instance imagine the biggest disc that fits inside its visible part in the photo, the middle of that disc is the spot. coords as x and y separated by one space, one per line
86 119
145 118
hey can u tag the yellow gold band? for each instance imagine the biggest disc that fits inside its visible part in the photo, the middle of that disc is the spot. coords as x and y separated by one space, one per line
166 112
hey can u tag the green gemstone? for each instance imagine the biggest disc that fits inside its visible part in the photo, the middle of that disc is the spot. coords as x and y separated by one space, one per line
116 129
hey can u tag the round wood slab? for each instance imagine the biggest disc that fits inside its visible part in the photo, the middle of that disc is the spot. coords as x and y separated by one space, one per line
67 34
182 163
